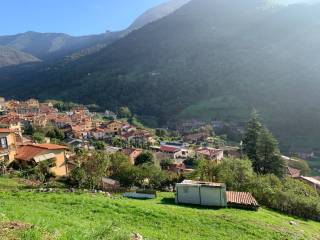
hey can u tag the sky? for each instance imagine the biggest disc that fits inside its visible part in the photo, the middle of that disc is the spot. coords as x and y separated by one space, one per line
75 17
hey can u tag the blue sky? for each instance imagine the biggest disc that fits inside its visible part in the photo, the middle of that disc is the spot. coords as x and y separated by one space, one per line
75 17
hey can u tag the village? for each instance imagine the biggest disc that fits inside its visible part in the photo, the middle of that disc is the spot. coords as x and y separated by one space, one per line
81 129
32 132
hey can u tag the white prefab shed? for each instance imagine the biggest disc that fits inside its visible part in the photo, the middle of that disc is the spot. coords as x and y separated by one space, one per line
201 193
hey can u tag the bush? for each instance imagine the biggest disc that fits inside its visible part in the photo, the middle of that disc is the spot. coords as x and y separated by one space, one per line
145 157
90 169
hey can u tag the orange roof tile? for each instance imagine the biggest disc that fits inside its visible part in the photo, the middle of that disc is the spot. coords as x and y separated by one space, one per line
50 146
6 130
28 152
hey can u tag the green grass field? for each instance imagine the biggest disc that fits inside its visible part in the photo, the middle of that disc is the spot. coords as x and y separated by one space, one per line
25 214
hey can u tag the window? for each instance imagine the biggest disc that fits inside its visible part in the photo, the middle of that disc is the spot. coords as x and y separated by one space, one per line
3 143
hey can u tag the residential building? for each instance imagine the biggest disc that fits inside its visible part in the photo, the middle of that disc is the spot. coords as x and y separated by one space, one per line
114 127
231 152
168 152
13 122
210 153
98 134
8 145
33 154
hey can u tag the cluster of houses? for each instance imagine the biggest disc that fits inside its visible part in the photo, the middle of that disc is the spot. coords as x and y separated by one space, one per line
81 128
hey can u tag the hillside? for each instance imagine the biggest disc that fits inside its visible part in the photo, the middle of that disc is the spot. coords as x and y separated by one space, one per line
211 59
10 57
26 214
157 13
48 46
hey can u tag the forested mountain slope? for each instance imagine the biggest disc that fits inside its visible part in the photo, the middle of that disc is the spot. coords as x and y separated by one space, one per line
50 45
9 56
214 59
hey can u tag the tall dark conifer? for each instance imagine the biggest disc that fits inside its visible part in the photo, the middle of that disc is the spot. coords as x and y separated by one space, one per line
262 148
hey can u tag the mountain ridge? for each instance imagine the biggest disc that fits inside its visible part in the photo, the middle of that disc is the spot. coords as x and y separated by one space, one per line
212 59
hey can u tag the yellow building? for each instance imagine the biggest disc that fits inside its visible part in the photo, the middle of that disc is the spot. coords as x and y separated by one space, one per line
12 122
8 145
114 127
35 153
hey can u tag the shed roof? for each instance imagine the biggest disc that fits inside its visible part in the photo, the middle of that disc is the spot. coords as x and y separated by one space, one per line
311 180
202 183
241 199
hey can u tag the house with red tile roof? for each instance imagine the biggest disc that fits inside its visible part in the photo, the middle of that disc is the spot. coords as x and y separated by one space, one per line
171 152
11 121
210 153
35 153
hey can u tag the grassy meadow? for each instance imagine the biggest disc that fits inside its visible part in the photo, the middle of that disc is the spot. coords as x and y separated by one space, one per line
26 214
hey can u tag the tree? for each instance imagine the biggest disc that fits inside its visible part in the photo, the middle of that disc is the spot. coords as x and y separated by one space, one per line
55 133
121 169
250 139
268 155
91 167
236 173
38 137
206 170
165 163
124 112
99 145
145 157
149 176
42 170
161 132
262 148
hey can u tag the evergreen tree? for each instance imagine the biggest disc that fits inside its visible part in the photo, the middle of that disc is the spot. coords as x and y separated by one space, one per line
250 140
268 154
262 148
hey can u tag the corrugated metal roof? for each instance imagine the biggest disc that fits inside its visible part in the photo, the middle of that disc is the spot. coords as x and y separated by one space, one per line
241 198
201 183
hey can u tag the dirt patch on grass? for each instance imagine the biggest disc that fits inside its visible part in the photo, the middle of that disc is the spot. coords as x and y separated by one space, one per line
10 230
14 226
30 183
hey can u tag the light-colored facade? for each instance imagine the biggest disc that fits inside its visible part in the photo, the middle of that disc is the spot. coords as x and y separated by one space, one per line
8 145
42 152
201 193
